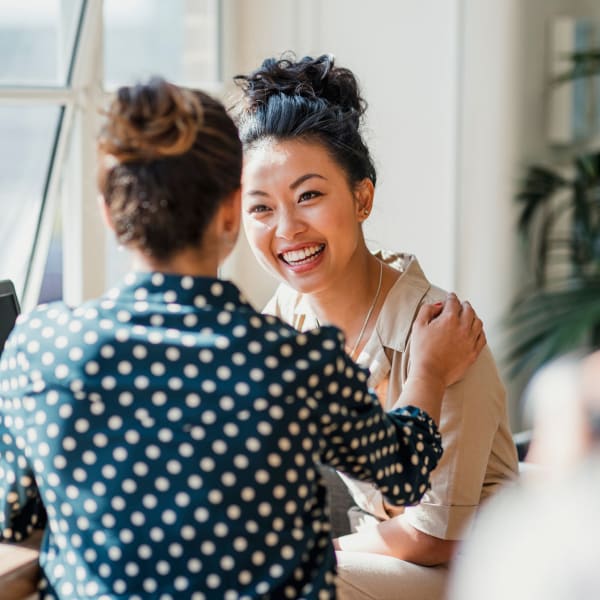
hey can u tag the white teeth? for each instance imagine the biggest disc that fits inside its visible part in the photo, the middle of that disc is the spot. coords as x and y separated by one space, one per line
296 256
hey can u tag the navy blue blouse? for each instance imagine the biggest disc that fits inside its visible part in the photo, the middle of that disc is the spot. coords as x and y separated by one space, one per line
167 436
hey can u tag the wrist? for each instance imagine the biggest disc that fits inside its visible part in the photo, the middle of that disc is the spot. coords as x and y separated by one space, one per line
427 378
425 391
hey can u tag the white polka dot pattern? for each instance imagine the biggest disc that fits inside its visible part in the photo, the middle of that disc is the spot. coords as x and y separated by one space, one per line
170 436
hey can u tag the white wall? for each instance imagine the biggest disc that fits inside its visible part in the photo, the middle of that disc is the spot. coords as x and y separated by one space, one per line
458 98
404 53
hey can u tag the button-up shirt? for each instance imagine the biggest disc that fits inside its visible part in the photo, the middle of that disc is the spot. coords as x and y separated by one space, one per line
479 454
168 436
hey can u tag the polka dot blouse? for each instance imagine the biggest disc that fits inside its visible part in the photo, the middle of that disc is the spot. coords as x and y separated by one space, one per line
167 437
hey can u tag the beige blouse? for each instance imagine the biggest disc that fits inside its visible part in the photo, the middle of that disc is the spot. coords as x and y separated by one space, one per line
479 453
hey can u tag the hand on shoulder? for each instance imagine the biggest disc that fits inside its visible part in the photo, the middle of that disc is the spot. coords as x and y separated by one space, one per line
446 339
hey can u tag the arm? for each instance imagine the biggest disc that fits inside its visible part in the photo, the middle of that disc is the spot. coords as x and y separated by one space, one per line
448 337
400 539
21 509
357 437
446 340
436 357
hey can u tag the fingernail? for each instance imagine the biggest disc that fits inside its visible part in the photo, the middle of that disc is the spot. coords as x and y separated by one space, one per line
438 303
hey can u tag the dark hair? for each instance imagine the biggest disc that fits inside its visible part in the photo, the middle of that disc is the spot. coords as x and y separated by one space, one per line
310 98
169 156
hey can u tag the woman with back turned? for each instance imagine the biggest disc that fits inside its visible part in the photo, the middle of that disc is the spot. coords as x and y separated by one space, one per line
166 435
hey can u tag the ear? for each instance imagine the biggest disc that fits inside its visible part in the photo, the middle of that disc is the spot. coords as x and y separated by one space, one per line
104 211
228 220
364 191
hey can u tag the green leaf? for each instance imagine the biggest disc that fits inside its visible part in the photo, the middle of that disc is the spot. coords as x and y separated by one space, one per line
546 324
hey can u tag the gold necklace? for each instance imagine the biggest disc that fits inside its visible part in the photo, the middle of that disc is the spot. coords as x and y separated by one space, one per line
369 313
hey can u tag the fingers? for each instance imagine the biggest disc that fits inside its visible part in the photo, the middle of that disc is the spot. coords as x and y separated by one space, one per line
477 325
467 312
452 304
480 342
452 308
468 320
428 312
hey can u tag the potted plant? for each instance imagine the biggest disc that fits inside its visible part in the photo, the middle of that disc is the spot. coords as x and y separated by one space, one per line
560 222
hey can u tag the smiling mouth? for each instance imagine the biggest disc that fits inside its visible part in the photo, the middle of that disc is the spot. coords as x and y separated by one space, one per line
302 256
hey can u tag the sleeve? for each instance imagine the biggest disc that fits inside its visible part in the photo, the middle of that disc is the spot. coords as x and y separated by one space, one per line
396 450
21 509
473 415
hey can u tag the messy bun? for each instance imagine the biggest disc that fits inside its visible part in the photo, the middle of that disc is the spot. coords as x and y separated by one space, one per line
309 98
147 122
308 77
168 157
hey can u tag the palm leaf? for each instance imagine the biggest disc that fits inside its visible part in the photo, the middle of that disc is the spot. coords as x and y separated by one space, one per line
548 323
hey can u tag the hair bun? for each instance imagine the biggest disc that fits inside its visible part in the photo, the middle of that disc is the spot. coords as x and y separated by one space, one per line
312 78
151 121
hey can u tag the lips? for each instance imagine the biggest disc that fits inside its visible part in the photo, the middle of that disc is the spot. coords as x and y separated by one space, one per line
302 255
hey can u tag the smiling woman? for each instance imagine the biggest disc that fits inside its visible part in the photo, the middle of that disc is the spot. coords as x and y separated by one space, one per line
302 217
309 185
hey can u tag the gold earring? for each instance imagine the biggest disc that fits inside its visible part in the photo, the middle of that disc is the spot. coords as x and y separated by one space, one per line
365 211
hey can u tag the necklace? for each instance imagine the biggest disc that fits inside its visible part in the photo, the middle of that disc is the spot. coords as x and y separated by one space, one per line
369 312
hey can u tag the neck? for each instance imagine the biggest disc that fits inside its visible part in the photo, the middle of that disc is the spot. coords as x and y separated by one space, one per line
346 302
189 261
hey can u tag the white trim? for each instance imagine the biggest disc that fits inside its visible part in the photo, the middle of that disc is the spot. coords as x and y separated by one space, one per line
32 95
84 249
84 52
71 184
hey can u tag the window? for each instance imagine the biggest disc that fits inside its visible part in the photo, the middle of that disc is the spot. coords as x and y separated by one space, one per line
26 149
177 39
37 41
60 60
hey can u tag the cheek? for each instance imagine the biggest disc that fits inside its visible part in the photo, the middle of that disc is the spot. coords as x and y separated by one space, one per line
343 223
259 237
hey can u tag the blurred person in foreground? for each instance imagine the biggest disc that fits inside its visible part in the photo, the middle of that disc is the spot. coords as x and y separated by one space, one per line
540 540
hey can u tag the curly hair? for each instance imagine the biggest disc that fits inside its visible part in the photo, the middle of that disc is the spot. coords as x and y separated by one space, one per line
310 99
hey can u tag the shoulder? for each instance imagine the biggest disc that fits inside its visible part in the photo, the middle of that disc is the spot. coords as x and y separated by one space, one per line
43 316
402 302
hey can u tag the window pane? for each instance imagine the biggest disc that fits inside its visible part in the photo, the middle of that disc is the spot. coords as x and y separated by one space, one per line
36 41
26 146
52 281
177 39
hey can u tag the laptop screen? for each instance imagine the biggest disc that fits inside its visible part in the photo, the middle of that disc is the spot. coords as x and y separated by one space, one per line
9 309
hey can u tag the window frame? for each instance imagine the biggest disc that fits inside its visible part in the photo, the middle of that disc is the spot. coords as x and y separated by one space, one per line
72 165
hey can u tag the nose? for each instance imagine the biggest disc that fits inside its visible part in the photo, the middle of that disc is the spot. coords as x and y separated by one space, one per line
289 224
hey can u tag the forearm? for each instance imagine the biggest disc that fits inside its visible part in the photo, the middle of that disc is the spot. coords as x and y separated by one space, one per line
425 393
397 538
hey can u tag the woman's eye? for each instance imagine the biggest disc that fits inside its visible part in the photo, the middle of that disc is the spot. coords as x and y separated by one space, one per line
309 196
259 208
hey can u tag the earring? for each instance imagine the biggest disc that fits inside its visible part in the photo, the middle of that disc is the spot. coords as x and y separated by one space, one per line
365 211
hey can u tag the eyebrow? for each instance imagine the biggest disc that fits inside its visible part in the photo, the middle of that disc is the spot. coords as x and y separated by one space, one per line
303 178
293 185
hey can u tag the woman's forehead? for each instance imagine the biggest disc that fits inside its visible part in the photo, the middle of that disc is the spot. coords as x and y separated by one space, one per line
291 155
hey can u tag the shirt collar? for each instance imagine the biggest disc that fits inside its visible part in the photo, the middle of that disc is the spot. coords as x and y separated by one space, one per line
402 302
164 288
